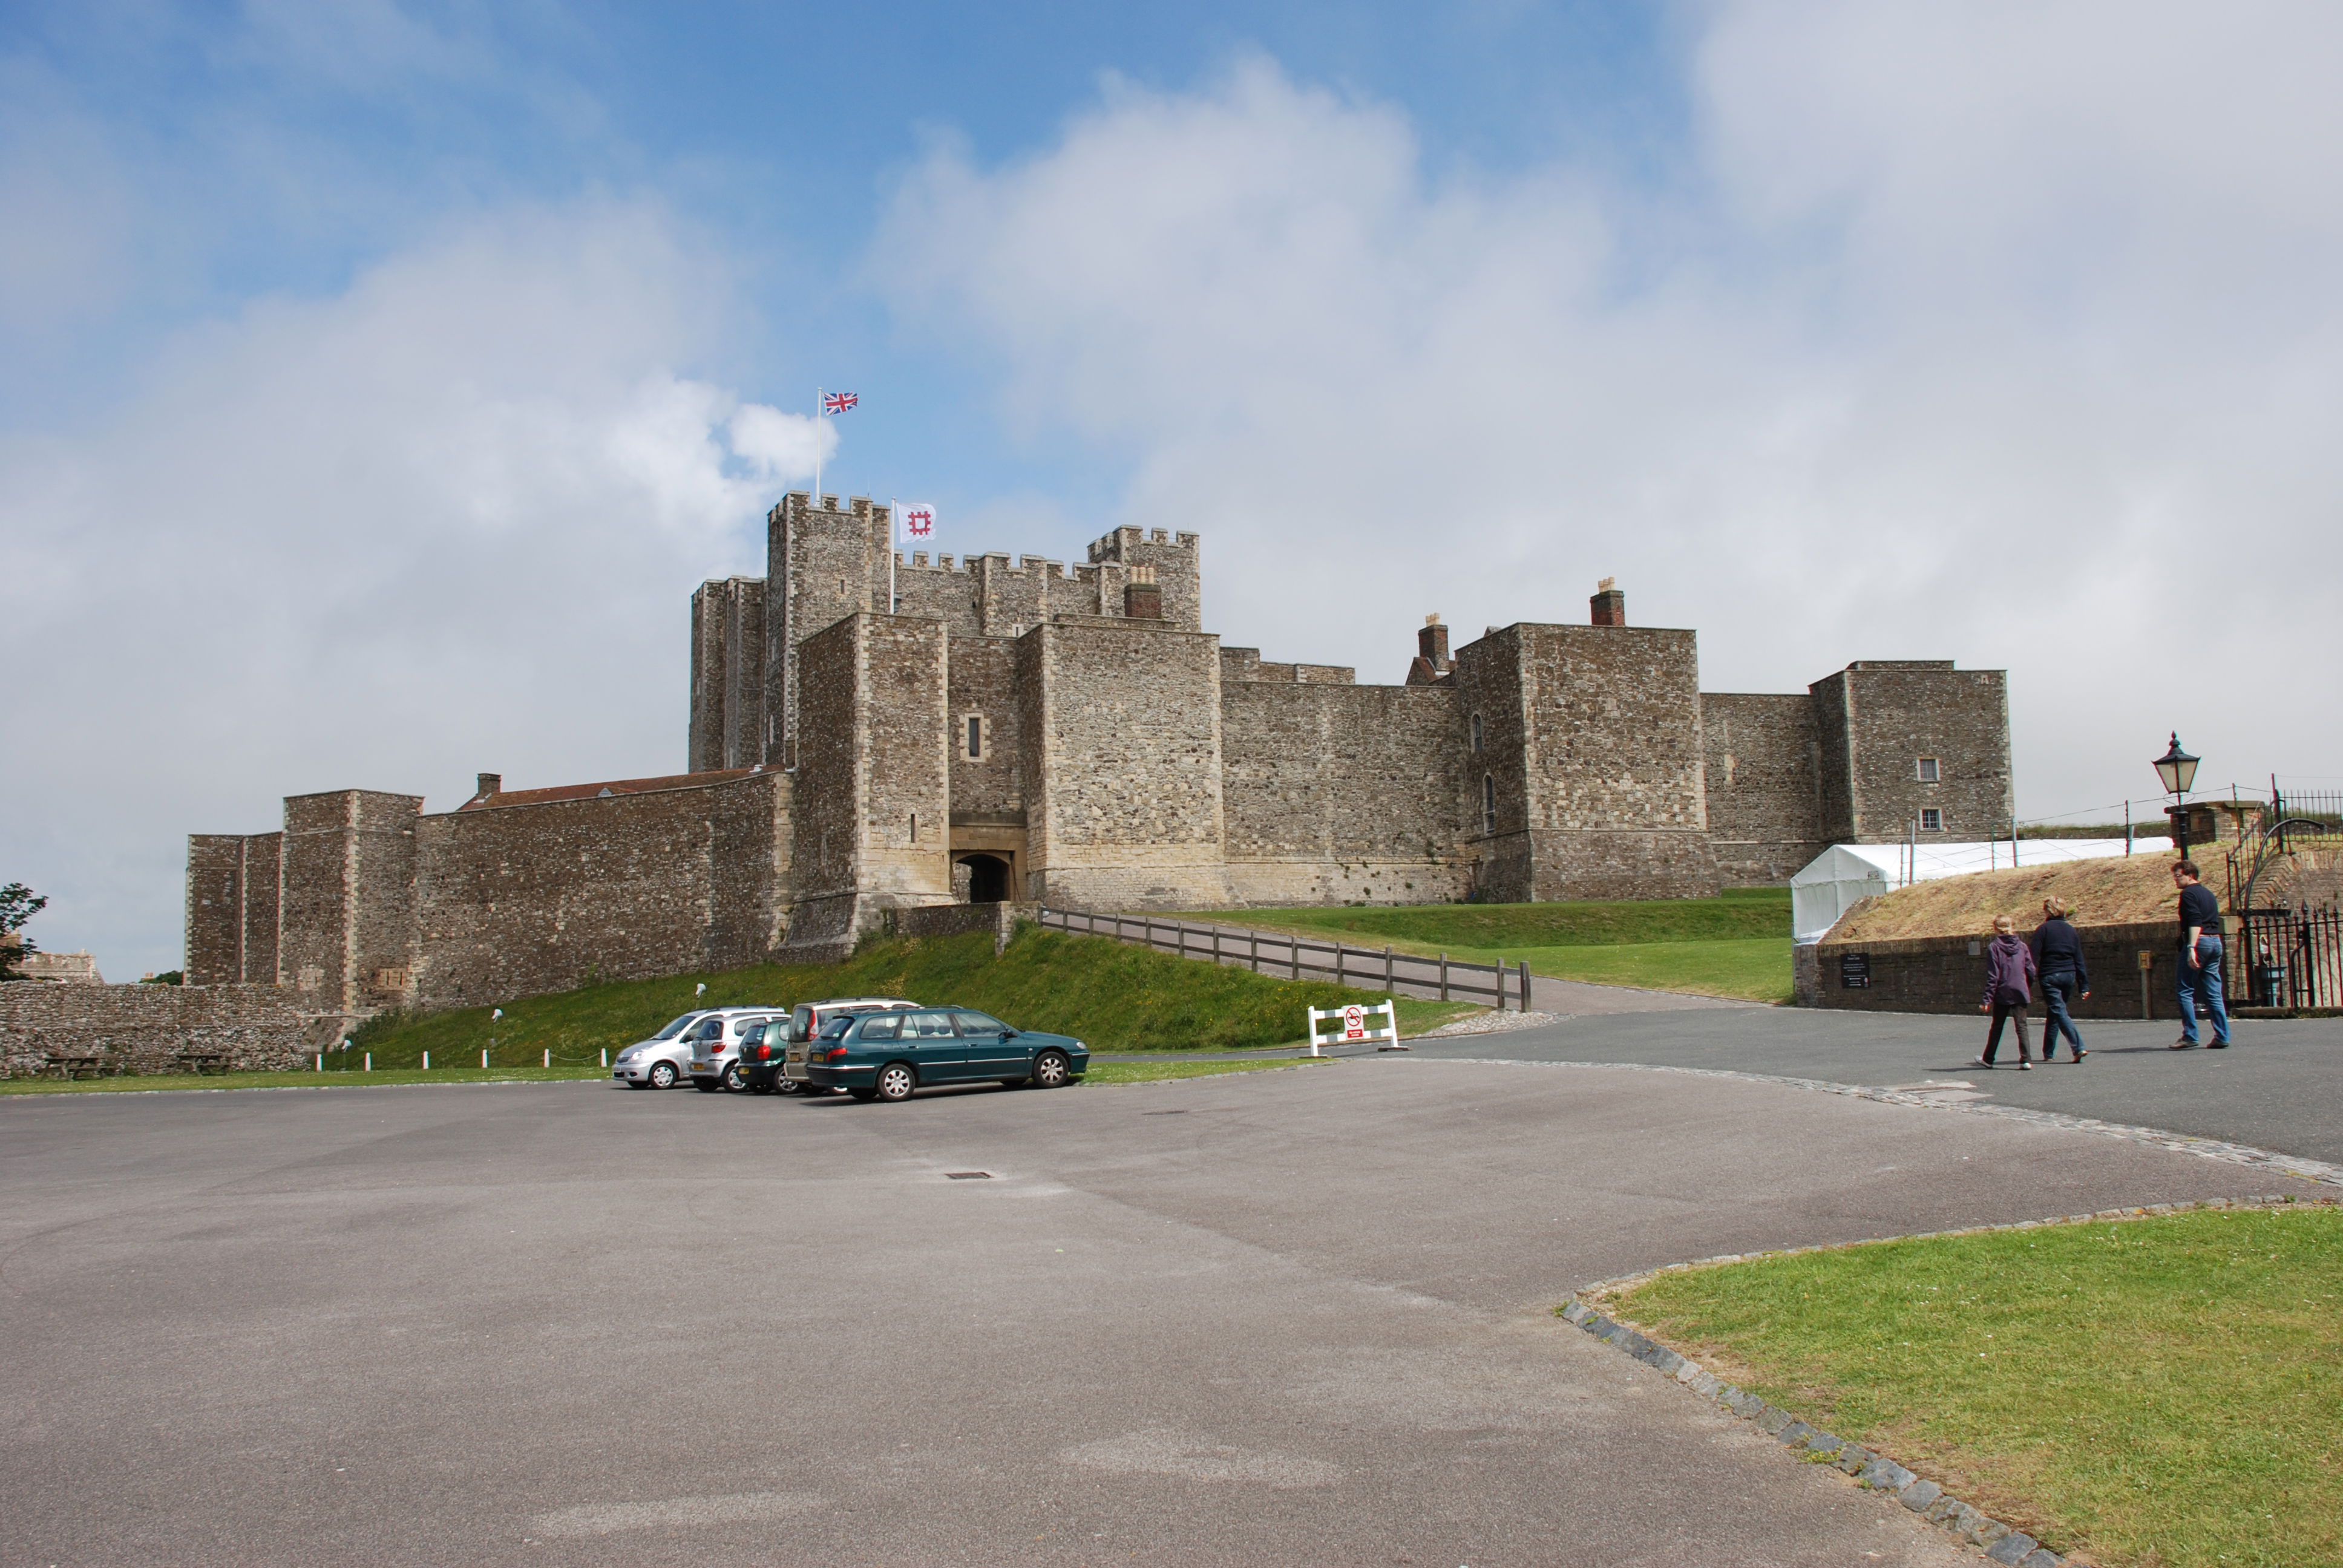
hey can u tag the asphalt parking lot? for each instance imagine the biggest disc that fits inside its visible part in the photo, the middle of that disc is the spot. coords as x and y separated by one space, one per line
1297 1316
2280 1087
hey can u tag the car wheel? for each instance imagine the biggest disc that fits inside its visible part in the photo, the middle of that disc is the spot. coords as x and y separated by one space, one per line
662 1075
896 1083
1052 1070
735 1081
865 1095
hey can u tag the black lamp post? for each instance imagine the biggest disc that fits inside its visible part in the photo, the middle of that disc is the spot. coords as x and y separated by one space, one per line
2177 771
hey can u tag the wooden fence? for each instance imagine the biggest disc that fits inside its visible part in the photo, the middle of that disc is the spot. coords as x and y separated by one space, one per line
1293 957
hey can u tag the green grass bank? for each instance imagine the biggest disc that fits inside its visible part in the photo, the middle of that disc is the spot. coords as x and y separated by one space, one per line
1114 997
1738 945
2153 1393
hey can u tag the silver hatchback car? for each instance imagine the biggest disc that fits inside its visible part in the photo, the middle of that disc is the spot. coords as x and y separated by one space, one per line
660 1061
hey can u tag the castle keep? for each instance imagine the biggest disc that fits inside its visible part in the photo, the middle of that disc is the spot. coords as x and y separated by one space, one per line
871 731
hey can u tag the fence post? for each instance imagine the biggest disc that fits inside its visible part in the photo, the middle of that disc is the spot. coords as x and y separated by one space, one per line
1444 976
1525 987
1252 951
1387 968
1293 951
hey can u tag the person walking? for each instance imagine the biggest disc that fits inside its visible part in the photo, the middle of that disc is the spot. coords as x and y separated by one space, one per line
2010 975
2200 976
2065 977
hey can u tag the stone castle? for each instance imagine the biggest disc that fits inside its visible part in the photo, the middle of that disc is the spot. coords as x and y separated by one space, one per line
871 732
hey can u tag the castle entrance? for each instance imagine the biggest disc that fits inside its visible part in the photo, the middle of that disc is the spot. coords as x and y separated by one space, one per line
988 879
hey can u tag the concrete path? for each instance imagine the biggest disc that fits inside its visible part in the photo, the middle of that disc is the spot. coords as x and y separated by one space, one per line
1284 1317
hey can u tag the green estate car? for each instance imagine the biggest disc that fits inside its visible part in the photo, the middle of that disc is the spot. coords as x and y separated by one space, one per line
887 1055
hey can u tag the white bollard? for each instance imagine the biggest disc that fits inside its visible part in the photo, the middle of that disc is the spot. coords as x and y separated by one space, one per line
321 1061
606 1056
369 1065
484 1059
426 1061
549 1055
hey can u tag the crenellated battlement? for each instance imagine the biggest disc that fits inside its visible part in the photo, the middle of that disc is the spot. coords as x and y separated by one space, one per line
1117 545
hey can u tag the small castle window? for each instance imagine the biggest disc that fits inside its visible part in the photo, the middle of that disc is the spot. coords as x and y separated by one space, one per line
1476 732
915 827
974 738
1930 772
1488 803
1932 820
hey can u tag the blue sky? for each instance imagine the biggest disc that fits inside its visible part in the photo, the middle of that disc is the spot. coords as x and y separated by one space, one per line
376 379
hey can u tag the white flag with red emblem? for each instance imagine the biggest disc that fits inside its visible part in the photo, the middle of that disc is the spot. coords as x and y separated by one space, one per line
919 521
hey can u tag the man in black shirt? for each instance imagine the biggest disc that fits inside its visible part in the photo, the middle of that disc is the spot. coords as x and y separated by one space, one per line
2201 958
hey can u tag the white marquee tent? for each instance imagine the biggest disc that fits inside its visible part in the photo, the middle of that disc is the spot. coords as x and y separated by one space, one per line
1834 882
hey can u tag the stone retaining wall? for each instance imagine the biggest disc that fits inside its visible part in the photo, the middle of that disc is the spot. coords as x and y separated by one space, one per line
141 1028
1947 974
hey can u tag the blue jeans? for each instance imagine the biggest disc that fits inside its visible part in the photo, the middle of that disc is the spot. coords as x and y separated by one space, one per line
2203 981
2059 992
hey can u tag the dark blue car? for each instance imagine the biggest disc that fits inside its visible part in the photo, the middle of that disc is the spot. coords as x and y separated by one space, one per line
890 1055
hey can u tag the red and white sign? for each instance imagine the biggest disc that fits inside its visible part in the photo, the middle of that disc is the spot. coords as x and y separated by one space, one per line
919 521
1355 1023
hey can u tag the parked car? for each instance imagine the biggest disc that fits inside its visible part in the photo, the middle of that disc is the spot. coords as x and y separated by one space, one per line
888 1055
762 1064
715 1042
657 1063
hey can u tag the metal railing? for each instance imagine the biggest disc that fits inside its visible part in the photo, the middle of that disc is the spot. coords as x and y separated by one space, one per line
2286 959
1292 957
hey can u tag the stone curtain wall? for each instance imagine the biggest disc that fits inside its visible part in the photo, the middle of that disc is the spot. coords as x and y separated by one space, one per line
1125 744
519 900
141 1028
1939 974
1341 794
1765 813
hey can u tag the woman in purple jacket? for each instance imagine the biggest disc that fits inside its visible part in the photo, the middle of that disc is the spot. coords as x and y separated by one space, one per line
2009 975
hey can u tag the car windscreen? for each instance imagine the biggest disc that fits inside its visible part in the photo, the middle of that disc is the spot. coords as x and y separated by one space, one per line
801 1020
671 1030
709 1029
835 1028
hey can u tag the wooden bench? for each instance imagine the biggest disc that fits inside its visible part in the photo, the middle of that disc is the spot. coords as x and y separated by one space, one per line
202 1061
82 1066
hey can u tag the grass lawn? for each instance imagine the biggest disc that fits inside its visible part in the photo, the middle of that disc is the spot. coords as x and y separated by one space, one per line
1100 1073
2155 1394
1738 945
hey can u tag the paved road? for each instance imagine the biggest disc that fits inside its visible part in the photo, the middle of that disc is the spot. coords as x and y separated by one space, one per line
1283 1317
2279 1088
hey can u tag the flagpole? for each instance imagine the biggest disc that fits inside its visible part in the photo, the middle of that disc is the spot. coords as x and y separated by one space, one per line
817 449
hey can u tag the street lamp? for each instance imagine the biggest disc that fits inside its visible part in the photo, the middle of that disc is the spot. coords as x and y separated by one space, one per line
2177 771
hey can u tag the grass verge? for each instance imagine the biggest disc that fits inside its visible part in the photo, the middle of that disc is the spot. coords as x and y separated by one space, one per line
1100 1073
1113 997
1736 945
2154 1394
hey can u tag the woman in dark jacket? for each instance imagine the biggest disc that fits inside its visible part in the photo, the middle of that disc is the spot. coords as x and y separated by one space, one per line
2058 959
2008 990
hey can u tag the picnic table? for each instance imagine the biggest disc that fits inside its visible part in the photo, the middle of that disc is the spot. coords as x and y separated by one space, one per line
202 1061
90 1064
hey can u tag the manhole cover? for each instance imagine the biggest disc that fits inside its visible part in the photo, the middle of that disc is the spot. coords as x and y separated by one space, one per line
967 1175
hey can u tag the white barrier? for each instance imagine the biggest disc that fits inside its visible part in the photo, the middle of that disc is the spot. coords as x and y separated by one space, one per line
1353 1020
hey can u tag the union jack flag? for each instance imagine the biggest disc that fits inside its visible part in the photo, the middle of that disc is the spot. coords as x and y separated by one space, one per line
839 402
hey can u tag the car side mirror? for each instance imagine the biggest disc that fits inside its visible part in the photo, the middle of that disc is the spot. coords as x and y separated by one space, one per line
1008 1034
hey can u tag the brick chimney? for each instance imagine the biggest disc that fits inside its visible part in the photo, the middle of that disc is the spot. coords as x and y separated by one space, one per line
1609 605
1142 596
1432 643
489 784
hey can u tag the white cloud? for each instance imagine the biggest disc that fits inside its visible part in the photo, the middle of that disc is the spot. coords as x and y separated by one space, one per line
446 520
2007 333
